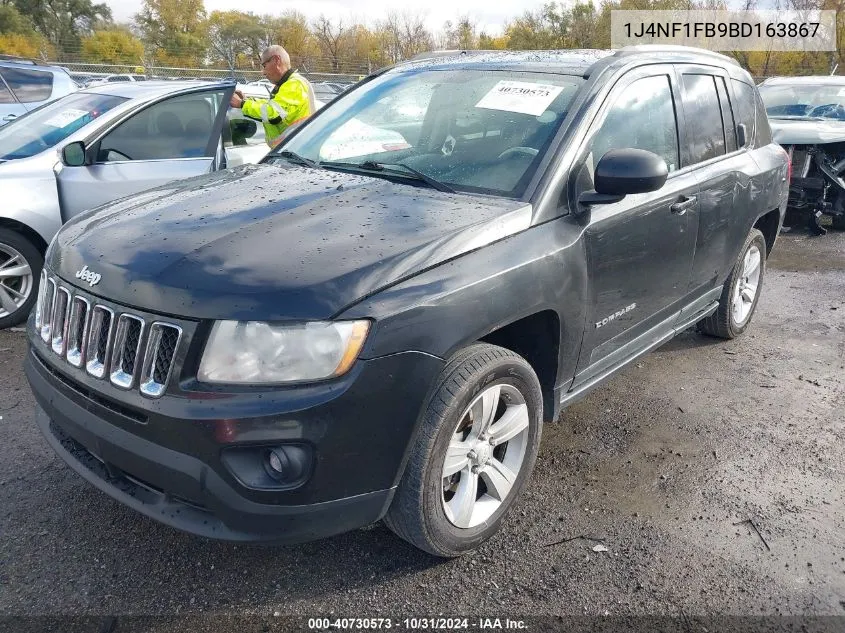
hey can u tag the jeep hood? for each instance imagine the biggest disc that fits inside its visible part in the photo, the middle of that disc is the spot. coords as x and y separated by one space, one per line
273 242
806 132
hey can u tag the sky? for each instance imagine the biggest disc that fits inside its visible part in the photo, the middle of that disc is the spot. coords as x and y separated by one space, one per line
490 16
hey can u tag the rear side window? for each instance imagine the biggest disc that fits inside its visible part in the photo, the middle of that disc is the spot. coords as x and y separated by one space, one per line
743 107
29 86
701 106
727 115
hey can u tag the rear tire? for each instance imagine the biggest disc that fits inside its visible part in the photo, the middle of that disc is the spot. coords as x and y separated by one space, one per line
20 270
474 453
741 291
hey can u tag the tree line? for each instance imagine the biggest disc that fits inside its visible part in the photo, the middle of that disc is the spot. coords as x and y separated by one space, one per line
180 33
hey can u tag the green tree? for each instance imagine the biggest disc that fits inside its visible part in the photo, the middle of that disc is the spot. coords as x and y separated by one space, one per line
230 34
546 28
330 36
289 30
175 31
63 22
112 46
13 21
490 43
402 35
459 36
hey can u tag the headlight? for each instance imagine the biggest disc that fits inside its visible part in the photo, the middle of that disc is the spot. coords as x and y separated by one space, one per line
257 352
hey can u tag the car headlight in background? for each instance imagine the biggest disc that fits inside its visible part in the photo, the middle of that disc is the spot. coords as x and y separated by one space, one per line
255 352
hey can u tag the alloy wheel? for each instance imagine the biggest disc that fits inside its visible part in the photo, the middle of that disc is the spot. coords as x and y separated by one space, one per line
485 455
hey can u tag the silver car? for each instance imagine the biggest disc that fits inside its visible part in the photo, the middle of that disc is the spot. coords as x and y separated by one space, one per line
92 147
25 85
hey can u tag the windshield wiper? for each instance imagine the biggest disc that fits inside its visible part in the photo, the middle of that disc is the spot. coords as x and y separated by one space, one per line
299 160
371 165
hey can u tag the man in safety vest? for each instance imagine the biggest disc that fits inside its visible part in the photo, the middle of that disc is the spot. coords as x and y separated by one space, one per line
290 102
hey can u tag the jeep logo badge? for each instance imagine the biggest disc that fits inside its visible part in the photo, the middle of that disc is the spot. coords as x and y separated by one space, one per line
89 276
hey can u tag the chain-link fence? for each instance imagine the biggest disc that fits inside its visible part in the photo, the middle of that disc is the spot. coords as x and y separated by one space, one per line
83 72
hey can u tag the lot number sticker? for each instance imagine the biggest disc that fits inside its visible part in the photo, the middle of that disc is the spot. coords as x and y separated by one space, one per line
65 117
520 96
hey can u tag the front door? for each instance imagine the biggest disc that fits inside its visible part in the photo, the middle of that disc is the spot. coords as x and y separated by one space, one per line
639 250
169 140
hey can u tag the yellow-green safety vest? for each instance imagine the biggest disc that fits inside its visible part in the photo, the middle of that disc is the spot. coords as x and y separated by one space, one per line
291 101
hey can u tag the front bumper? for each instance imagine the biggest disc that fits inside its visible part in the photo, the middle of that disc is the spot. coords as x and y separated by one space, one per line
168 467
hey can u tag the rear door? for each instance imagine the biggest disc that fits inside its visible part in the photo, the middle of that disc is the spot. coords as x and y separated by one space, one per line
174 138
722 169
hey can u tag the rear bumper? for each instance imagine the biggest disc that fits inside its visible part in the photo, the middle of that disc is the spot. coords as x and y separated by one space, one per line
187 491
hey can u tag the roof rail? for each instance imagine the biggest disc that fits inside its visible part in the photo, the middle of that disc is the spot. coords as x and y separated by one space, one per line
17 59
672 48
449 53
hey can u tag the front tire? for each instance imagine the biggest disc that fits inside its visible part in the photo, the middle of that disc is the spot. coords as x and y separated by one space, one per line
474 454
741 291
20 269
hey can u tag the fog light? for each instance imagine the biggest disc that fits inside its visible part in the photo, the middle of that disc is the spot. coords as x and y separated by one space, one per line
276 462
275 467
286 463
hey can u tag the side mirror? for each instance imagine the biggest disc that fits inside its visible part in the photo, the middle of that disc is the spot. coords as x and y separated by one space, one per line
624 171
741 135
73 154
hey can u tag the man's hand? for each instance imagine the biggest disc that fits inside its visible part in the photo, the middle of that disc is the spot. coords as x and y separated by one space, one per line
237 99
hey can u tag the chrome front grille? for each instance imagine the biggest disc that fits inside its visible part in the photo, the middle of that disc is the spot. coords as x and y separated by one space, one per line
80 315
95 338
60 320
99 337
127 345
161 347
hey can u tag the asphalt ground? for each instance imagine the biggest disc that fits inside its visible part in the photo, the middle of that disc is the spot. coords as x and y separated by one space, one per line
711 472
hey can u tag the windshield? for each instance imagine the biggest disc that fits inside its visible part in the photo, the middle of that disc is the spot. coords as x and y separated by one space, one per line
804 101
472 130
51 124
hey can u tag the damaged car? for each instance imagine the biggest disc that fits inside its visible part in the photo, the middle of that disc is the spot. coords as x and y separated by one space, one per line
807 117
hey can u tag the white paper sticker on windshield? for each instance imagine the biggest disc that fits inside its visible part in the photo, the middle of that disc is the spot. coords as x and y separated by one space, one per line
520 96
65 117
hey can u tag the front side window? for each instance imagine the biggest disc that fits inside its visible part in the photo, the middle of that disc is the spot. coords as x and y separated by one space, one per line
702 110
641 117
29 86
180 127
43 128
480 131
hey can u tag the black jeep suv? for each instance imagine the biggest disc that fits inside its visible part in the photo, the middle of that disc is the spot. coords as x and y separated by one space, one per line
375 322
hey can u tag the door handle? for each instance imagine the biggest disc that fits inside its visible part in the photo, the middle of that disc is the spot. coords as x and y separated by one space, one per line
10 117
684 205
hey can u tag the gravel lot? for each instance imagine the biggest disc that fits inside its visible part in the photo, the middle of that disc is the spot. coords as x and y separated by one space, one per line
713 473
